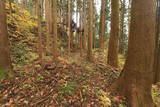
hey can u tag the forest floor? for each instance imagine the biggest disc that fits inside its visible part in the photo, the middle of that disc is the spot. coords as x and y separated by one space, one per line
68 82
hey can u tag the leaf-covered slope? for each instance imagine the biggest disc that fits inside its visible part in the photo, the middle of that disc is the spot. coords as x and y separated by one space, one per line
22 28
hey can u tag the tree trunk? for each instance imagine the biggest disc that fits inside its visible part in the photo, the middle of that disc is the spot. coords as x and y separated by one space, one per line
85 25
156 70
69 29
136 78
5 62
80 33
47 18
39 14
114 36
24 4
121 40
90 35
55 50
102 24
85 32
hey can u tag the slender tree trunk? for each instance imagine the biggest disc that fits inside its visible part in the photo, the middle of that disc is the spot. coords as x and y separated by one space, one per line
39 14
85 32
77 36
135 80
114 35
121 41
5 61
94 24
24 4
47 18
84 26
55 50
90 35
80 33
102 24
69 28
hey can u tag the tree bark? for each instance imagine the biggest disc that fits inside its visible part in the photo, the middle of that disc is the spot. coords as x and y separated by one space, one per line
5 61
85 32
39 14
47 18
122 38
135 80
80 33
156 70
114 35
24 4
90 35
55 50
69 29
102 24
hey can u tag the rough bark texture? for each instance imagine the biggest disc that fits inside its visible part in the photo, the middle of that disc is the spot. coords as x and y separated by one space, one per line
90 35
122 38
102 23
114 35
5 63
136 78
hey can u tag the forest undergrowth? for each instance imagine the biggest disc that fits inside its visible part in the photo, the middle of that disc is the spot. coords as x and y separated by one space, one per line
71 81
63 83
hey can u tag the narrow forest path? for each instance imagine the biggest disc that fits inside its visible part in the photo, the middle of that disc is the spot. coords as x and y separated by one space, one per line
69 82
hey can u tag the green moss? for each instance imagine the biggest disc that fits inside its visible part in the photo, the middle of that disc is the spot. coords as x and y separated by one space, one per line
3 73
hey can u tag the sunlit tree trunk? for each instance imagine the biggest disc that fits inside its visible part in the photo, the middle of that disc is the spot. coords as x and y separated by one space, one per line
90 31
135 80
5 63
114 35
